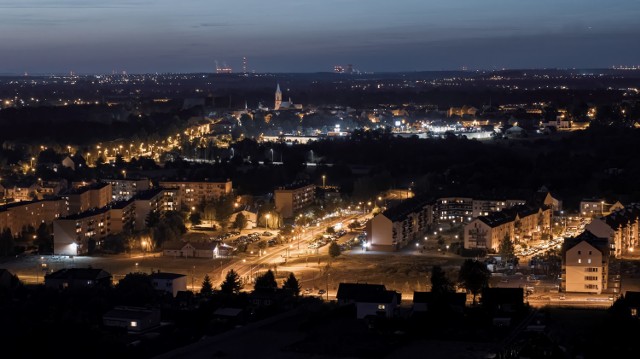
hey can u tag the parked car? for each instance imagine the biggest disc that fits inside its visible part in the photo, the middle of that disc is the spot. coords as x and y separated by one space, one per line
267 234
321 292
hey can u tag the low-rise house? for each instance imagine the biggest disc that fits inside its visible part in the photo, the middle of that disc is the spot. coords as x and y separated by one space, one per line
195 249
78 278
252 218
585 264
171 283
7 280
631 302
74 162
428 301
503 304
134 319
369 299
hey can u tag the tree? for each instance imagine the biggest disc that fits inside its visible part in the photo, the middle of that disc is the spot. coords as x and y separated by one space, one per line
153 218
334 250
6 243
136 289
331 230
266 281
354 225
241 221
292 285
440 284
195 218
224 208
44 239
231 284
207 287
474 276
506 248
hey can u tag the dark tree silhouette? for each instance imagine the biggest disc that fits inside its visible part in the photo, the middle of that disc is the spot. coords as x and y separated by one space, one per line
334 250
506 248
266 281
207 287
474 276
440 284
240 222
232 283
292 285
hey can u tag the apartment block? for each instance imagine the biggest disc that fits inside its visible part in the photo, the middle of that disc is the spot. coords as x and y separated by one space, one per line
192 193
292 198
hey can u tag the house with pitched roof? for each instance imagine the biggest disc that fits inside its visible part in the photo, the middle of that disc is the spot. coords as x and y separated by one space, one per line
369 299
169 282
77 278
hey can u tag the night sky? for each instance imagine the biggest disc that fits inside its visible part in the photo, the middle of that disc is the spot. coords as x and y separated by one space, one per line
140 36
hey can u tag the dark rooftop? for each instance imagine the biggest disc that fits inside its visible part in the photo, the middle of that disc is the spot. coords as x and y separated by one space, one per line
164 275
79 273
407 207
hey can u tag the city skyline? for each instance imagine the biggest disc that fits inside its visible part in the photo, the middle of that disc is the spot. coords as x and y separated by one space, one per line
305 36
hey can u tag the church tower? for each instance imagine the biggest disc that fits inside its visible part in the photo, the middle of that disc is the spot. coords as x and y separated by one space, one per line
278 98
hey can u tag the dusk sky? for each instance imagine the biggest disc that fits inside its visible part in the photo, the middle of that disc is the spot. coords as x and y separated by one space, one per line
43 36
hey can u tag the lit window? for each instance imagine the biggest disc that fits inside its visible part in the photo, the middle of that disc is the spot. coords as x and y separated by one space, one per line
381 306
589 260
134 324
579 260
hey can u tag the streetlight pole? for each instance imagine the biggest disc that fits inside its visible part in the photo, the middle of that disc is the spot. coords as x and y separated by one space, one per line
324 178
272 155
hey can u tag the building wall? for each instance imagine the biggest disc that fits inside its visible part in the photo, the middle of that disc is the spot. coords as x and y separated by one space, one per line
88 199
586 271
458 209
592 208
172 286
124 189
477 230
71 235
17 216
365 309
289 201
145 206
284 203
380 233
191 194
120 218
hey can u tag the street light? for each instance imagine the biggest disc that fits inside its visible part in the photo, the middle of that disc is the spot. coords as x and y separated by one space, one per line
324 178
266 222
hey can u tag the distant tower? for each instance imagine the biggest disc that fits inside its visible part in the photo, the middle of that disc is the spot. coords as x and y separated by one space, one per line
244 65
278 98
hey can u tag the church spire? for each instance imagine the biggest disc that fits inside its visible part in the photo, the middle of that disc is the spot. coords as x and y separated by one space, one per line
278 101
